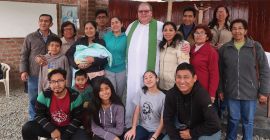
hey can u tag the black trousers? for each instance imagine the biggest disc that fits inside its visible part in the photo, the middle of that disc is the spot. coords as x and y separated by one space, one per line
31 130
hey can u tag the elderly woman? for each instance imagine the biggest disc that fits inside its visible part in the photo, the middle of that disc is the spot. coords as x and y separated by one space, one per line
204 58
94 66
171 55
244 77
220 26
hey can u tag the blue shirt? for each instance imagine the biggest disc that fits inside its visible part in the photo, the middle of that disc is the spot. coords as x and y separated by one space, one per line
117 46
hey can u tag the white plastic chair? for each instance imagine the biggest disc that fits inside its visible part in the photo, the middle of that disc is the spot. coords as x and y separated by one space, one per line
5 80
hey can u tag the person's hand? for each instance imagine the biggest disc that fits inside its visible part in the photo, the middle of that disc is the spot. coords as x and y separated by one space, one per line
213 99
41 60
221 96
84 65
116 138
185 48
262 99
130 135
185 134
90 59
24 76
56 135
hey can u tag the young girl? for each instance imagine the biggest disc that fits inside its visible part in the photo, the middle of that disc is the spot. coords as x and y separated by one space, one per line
149 106
107 110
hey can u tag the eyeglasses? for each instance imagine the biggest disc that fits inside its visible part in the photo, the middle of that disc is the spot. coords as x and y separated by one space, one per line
54 82
68 29
143 11
199 34
234 29
101 17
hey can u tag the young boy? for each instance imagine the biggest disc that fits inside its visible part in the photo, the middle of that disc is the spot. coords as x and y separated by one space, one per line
83 87
55 60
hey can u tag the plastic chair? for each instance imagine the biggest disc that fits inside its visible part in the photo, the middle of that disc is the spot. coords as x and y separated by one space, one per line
5 80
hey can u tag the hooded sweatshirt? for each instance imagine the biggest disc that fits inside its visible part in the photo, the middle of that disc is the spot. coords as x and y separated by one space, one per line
112 122
54 62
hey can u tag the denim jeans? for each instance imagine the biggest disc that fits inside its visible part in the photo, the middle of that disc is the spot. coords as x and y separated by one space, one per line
244 110
215 136
32 95
143 134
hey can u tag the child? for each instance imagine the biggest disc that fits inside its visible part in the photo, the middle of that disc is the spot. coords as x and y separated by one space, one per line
55 60
83 87
149 106
107 110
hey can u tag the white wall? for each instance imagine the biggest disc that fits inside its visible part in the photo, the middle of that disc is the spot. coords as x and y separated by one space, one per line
20 18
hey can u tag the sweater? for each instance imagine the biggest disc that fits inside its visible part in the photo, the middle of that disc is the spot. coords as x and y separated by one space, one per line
117 45
54 62
195 110
43 111
238 79
205 63
112 122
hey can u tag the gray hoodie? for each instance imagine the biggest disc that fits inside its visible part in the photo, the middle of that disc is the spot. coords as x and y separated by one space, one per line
54 62
112 122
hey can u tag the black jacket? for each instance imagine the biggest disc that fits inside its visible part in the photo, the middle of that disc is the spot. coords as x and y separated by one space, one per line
194 109
98 64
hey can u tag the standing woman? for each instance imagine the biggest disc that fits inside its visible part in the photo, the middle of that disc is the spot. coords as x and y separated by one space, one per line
244 78
204 58
149 107
220 26
116 44
69 35
94 66
171 55
107 111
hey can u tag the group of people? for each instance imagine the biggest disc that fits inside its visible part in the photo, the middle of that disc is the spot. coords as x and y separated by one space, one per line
152 81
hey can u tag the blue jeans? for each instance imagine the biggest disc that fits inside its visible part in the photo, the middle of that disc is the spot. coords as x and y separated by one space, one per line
244 110
215 136
32 95
143 134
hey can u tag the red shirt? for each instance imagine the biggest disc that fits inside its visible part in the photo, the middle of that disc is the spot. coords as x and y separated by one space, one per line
205 63
60 110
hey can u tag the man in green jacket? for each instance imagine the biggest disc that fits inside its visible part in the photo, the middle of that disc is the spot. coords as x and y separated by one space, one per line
58 112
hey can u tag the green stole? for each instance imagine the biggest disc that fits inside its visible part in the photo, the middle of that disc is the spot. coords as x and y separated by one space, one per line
152 42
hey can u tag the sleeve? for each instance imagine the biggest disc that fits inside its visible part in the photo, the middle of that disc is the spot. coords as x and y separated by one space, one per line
213 72
25 52
100 62
70 55
69 73
119 118
211 122
264 71
169 116
75 116
41 110
221 78
99 131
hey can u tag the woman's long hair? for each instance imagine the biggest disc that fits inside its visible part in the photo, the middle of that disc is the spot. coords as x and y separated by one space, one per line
176 38
214 21
96 102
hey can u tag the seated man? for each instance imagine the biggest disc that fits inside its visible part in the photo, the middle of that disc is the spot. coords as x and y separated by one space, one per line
188 111
58 112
